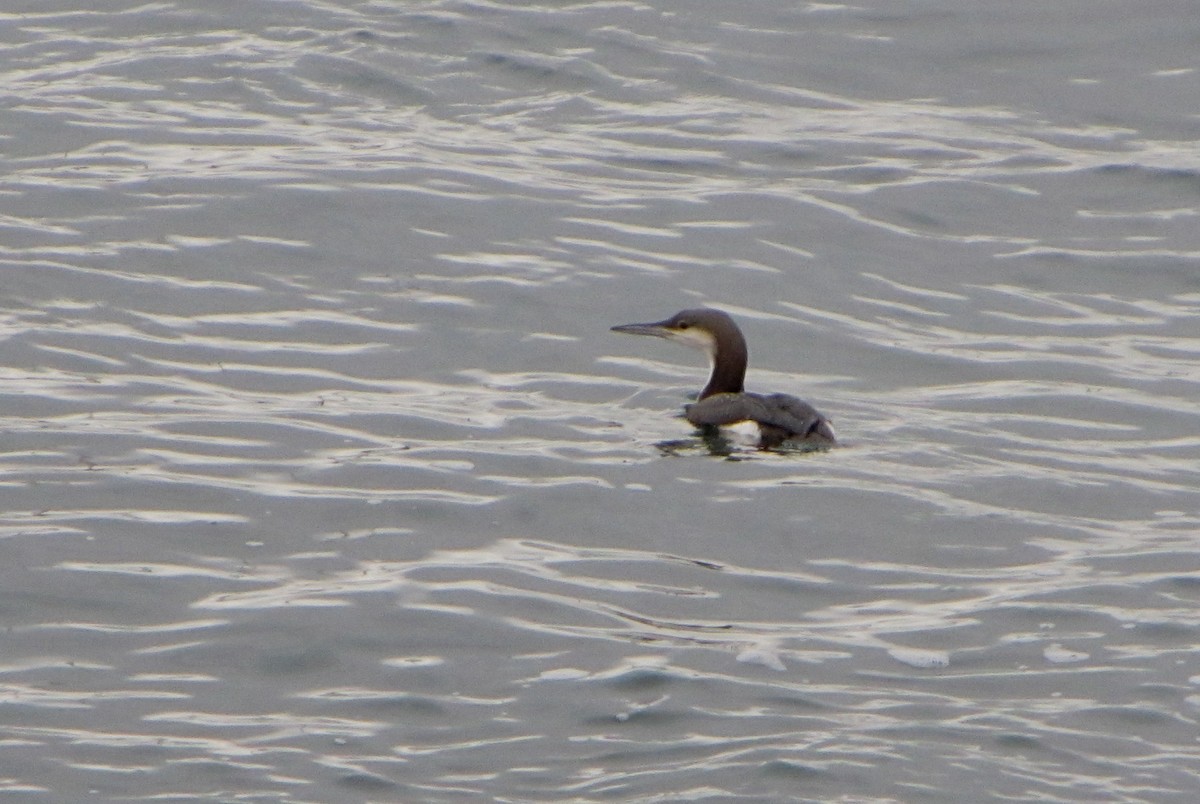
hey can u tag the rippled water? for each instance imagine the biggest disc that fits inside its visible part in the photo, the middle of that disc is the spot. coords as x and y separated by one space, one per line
324 479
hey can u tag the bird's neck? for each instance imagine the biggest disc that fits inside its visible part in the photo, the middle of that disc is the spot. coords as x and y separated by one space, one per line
728 369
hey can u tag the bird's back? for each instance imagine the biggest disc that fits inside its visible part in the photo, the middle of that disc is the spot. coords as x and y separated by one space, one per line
780 417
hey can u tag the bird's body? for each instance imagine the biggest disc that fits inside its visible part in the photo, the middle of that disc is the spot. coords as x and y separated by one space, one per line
724 401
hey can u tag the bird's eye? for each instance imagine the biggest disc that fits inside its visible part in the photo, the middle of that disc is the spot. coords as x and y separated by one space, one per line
683 325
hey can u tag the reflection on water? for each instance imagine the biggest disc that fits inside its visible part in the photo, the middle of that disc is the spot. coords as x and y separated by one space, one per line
634 642
324 482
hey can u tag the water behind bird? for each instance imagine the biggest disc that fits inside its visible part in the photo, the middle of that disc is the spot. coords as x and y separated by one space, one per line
326 480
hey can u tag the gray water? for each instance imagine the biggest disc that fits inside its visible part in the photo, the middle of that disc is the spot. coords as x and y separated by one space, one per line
324 479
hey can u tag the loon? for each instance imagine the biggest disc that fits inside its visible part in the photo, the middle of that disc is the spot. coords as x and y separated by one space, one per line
723 401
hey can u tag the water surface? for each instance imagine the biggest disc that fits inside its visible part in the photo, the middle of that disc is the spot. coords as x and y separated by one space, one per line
324 479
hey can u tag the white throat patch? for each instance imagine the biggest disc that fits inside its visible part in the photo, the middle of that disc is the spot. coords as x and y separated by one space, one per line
696 338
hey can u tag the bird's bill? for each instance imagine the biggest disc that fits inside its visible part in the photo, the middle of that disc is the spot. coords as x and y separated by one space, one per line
658 329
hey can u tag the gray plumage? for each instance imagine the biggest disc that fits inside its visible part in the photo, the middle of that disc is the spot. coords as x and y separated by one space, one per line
779 416
723 401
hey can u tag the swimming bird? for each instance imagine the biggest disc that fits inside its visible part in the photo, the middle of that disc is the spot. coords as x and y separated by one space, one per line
724 401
